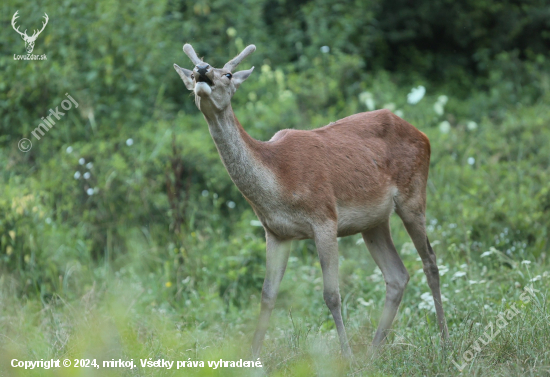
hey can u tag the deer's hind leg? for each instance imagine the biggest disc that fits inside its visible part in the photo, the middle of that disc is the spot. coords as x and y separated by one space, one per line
412 212
382 249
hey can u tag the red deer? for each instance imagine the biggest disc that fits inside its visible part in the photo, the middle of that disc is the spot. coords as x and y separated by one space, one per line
338 180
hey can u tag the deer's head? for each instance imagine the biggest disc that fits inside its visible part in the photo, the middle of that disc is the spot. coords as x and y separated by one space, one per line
213 87
29 41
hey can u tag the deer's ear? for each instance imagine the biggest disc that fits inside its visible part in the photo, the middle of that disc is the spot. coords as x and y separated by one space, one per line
239 77
185 75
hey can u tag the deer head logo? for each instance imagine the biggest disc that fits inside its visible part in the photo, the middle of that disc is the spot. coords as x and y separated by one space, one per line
29 41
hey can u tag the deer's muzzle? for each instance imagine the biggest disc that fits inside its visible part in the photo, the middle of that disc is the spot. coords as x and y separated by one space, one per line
205 79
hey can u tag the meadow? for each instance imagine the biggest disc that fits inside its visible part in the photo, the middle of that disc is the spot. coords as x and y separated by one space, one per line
123 238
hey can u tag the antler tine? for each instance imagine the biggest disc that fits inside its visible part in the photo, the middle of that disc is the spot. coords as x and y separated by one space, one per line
190 52
233 63
15 16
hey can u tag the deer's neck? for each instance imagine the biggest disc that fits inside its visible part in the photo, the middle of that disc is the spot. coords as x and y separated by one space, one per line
239 154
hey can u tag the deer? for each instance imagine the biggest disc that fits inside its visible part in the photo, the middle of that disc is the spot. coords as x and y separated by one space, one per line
29 41
338 180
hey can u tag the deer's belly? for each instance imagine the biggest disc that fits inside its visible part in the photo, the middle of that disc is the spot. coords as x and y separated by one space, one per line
286 225
290 222
356 219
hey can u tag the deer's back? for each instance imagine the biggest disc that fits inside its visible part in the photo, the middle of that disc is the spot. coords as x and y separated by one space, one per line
363 152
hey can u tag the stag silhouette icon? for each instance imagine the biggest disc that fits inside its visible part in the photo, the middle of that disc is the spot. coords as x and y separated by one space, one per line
29 41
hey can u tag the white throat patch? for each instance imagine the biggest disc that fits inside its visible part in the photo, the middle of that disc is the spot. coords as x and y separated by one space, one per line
202 89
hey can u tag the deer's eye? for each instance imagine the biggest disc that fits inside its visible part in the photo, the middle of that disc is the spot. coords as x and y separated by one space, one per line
228 75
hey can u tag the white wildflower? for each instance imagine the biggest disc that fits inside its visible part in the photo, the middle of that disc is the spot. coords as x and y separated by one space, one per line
363 302
438 108
442 99
416 95
428 303
368 99
443 270
369 102
444 127
390 106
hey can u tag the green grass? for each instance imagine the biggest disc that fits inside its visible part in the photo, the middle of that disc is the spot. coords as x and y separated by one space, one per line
121 319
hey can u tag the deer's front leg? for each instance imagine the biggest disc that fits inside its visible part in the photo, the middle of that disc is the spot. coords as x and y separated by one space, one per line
277 253
327 247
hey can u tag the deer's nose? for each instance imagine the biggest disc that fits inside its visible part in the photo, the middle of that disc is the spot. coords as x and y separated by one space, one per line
201 69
